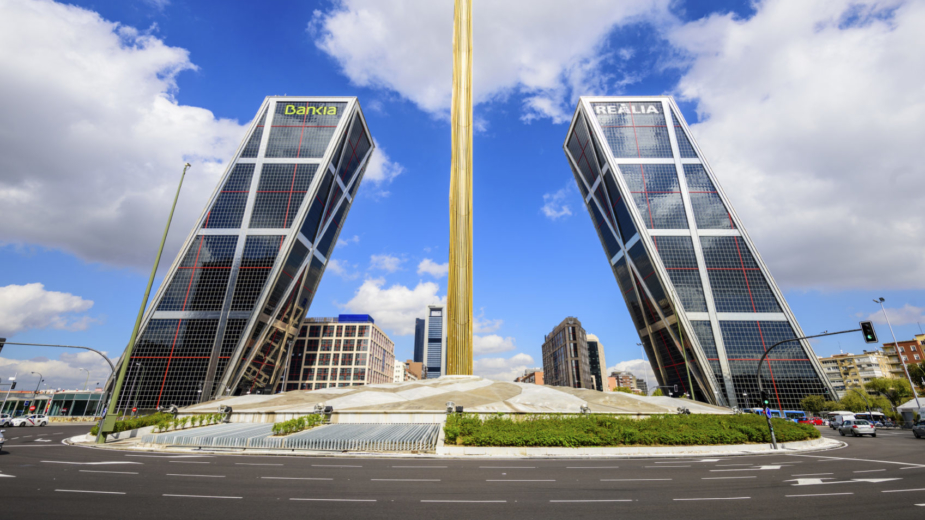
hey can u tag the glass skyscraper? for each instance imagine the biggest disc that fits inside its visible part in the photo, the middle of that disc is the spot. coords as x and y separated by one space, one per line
232 302
688 271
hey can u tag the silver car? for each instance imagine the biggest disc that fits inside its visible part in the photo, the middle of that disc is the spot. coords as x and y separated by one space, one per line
2 440
857 428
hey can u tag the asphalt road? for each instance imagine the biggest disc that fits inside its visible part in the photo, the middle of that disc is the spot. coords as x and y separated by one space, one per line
871 478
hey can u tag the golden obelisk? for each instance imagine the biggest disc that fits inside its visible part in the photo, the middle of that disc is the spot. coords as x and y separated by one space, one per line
459 285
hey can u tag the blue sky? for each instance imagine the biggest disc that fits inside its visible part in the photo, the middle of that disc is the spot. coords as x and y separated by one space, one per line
809 114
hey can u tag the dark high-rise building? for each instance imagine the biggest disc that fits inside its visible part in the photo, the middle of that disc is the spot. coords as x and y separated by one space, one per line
596 362
419 336
232 302
565 356
684 264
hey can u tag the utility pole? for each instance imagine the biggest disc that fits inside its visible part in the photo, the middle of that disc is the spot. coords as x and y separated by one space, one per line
896 346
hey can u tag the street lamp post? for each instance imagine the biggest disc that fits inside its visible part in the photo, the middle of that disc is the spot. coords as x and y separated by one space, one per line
87 383
896 346
135 392
132 392
747 403
34 393
643 349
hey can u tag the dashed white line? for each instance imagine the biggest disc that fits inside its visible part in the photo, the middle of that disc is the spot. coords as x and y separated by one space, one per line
188 462
819 495
188 475
254 464
592 467
466 501
608 500
334 466
89 463
419 466
335 499
862 460
507 467
116 472
869 470
632 479
721 465
200 496
712 498
810 474
724 478
902 490
296 478
656 467
86 491
517 480
406 479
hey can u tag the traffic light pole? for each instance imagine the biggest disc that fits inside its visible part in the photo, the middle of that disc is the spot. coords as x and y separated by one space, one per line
758 374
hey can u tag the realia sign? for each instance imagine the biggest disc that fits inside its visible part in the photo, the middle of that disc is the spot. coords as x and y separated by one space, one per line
625 108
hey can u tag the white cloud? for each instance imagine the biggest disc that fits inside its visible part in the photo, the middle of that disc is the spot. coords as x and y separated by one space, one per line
554 206
812 119
343 269
58 373
160 5
394 308
534 47
344 242
92 164
907 315
385 262
428 266
482 326
491 344
381 169
30 306
503 369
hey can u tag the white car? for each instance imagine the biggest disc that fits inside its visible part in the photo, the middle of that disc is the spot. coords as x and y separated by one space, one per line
1 439
5 419
31 420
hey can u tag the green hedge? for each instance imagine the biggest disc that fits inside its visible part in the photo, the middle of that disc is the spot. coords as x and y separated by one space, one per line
608 430
137 422
298 424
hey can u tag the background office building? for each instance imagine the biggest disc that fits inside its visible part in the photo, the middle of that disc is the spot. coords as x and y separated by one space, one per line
350 350
419 336
682 260
533 376
565 356
846 371
435 347
596 362
233 300
909 352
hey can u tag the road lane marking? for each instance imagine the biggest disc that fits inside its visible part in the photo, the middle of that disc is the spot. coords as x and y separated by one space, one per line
717 498
188 462
631 479
869 470
251 464
810 474
818 481
512 480
85 491
507 467
10 476
759 468
89 463
466 501
862 460
188 475
723 478
116 472
592 467
172 456
609 500
902 490
406 479
199 496
296 478
721 465
819 495
335 499
418 466
333 466
657 467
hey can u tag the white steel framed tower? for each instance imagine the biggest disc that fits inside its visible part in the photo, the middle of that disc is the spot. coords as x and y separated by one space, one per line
232 302
684 264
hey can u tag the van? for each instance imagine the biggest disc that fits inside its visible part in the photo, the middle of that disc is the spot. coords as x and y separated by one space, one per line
841 418
833 416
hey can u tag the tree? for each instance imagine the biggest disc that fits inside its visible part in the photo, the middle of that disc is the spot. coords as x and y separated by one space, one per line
857 400
897 391
622 389
813 404
831 406
917 372
658 393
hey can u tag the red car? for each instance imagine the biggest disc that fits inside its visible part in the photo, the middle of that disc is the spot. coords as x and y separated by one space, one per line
815 421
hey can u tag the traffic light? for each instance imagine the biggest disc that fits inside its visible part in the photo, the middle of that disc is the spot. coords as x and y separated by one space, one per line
2 342
765 398
13 386
867 328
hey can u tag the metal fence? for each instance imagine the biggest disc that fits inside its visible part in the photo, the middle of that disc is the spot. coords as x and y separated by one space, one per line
333 437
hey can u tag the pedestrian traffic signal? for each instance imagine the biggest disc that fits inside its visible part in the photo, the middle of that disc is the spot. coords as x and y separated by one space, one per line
867 328
765 398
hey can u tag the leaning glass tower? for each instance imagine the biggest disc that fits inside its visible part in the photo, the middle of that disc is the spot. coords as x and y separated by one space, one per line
231 304
703 302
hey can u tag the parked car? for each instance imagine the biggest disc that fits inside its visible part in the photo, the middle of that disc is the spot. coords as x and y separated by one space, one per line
857 428
919 429
815 421
31 420
5 419
1 439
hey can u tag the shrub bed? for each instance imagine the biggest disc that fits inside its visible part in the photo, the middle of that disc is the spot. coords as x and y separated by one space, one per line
137 422
164 422
608 430
298 424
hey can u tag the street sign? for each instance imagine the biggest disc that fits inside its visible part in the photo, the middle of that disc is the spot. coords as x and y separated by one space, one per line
134 410
32 408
